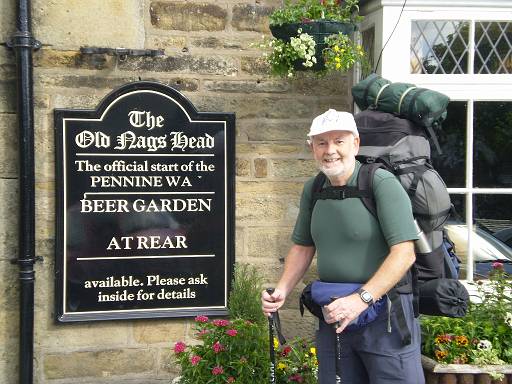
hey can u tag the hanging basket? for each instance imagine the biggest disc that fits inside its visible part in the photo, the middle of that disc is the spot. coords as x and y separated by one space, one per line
319 30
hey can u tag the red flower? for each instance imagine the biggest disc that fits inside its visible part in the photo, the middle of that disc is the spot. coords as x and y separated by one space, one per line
201 319
179 347
232 332
217 371
297 378
218 347
194 360
286 351
221 323
497 265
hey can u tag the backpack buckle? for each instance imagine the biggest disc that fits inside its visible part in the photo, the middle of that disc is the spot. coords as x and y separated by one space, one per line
342 195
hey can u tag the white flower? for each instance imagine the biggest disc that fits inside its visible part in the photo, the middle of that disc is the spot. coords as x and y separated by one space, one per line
484 344
508 319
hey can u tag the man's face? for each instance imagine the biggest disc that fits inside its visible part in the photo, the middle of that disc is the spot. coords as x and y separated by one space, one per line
335 152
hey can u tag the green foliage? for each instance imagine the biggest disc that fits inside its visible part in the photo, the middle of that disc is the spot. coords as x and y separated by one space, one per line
305 10
284 57
341 53
244 299
237 350
230 351
296 362
484 336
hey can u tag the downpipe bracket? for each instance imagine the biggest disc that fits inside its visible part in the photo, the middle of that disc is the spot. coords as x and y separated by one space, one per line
26 262
23 40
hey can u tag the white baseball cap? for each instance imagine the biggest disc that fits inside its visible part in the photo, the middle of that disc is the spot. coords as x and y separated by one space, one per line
333 120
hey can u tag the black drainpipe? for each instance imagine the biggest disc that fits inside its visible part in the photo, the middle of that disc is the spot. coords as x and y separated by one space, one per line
23 44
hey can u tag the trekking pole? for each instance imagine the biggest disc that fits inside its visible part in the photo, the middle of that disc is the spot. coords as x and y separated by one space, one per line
338 350
272 351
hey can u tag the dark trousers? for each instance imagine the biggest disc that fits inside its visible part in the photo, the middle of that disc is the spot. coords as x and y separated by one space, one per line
371 355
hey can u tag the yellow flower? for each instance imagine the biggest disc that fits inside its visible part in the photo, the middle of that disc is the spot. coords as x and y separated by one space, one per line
281 366
336 48
337 59
313 351
276 343
461 340
338 65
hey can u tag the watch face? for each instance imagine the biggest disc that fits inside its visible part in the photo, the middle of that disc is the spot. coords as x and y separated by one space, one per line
366 297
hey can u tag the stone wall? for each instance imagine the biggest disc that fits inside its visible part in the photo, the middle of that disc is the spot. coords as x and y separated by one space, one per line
209 58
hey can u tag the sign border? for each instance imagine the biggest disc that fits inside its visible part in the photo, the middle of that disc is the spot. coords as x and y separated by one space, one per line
62 115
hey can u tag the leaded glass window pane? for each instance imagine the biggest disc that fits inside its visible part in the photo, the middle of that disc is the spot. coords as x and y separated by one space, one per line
451 163
439 46
492 144
493 47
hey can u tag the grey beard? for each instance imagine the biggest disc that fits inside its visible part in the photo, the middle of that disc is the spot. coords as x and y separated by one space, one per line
333 172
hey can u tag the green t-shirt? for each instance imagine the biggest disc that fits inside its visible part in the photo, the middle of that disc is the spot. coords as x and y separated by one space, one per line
350 243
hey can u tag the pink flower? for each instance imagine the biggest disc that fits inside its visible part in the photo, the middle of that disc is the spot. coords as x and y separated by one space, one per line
231 379
202 332
232 332
217 370
497 265
194 360
201 319
221 323
296 377
218 347
179 347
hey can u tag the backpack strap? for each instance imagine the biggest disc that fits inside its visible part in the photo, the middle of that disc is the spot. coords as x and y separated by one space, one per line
367 90
365 183
318 184
363 191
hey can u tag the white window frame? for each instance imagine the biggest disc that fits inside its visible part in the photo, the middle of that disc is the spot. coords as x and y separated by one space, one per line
395 66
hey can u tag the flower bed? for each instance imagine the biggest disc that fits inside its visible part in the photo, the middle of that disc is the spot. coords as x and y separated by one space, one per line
437 373
478 345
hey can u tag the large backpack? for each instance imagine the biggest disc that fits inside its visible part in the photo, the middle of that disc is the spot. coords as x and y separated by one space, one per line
399 146
424 107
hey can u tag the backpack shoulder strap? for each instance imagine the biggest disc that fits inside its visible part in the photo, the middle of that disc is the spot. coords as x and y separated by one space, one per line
365 183
318 184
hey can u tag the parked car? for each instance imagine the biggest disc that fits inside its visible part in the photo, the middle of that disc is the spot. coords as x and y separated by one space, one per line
487 249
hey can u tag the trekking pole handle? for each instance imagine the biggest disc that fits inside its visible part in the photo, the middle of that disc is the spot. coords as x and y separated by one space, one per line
270 291
273 377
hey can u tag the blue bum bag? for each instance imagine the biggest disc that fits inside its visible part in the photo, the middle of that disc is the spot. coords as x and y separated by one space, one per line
322 294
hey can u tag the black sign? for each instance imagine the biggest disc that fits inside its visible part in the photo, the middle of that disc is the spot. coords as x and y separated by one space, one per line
145 207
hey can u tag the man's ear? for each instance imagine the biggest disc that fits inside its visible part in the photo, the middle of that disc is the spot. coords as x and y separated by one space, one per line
357 141
310 144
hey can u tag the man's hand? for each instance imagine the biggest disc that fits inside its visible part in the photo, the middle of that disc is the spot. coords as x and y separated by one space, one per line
343 311
271 303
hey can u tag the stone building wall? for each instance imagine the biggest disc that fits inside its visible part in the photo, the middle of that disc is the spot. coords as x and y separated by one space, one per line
209 58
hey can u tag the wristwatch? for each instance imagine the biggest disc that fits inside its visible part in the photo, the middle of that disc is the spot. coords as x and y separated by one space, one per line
365 296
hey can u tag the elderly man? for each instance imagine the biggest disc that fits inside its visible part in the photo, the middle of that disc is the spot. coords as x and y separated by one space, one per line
353 246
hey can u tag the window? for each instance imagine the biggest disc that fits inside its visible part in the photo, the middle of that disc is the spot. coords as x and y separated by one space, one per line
443 46
465 53
487 190
439 46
